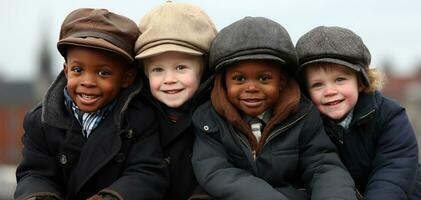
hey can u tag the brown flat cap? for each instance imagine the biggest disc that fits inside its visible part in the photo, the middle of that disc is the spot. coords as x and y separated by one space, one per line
100 29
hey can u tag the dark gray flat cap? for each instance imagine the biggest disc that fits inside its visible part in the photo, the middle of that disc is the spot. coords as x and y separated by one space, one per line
334 45
253 38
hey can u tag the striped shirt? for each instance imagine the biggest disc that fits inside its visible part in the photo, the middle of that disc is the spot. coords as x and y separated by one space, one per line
88 120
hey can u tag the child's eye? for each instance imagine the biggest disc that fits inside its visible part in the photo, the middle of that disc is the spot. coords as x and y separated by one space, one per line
238 78
340 79
104 73
264 78
156 70
181 67
316 85
77 70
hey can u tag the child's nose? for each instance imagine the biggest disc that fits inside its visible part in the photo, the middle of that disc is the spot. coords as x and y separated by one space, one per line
251 87
88 80
330 90
169 78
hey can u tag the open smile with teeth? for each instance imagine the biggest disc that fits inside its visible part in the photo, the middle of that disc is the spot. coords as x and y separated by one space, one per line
87 98
252 102
332 103
172 91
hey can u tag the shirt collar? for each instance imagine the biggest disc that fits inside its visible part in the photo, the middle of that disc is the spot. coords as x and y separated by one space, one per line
347 121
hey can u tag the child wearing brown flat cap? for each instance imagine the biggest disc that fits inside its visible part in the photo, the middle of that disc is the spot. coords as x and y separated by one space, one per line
173 46
89 139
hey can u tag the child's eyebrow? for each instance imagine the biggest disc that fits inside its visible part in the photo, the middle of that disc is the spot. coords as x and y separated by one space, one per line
311 80
103 65
75 62
152 64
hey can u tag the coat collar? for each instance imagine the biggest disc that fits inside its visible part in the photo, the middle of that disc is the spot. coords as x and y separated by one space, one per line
366 105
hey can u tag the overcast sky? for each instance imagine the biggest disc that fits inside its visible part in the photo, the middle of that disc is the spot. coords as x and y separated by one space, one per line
390 29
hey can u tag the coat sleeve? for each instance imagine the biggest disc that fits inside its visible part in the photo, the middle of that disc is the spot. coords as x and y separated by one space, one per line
220 178
324 173
145 175
38 173
396 158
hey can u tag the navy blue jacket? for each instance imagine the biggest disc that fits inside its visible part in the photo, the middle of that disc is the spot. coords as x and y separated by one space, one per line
379 149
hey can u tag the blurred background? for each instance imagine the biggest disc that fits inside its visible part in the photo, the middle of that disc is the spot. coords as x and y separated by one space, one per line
29 60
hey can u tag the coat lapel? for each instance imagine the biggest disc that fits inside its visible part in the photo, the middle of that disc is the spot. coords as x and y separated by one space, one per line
169 132
103 144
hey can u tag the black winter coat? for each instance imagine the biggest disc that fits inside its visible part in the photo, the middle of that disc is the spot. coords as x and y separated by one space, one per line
121 156
380 149
296 154
177 143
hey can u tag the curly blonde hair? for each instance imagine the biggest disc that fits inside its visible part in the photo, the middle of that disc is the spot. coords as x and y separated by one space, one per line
375 78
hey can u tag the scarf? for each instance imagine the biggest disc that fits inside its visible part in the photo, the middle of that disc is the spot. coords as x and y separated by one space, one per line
88 120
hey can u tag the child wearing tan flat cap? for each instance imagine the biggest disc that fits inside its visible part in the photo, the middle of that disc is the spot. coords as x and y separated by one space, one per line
173 47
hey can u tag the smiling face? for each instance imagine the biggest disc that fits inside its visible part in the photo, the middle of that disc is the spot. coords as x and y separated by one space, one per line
95 77
174 77
253 86
333 89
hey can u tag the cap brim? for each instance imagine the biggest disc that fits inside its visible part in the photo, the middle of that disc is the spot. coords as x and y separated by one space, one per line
92 42
249 57
335 61
340 62
162 48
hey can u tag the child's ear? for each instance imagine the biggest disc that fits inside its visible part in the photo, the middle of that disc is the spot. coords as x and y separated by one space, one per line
360 87
129 77
283 82
65 69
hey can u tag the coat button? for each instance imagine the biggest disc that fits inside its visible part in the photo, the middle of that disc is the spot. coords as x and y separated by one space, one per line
63 159
167 160
206 128
120 157
129 134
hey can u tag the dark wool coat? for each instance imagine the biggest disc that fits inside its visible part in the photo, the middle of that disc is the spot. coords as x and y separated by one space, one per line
121 156
294 152
380 150
177 143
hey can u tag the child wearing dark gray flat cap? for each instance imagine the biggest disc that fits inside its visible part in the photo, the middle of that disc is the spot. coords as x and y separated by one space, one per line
372 132
259 138
89 139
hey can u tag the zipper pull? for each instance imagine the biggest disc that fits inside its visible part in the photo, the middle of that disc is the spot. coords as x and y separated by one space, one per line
254 154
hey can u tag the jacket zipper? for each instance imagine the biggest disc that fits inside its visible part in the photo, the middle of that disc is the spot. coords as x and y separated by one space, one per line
271 136
244 141
279 131
364 116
